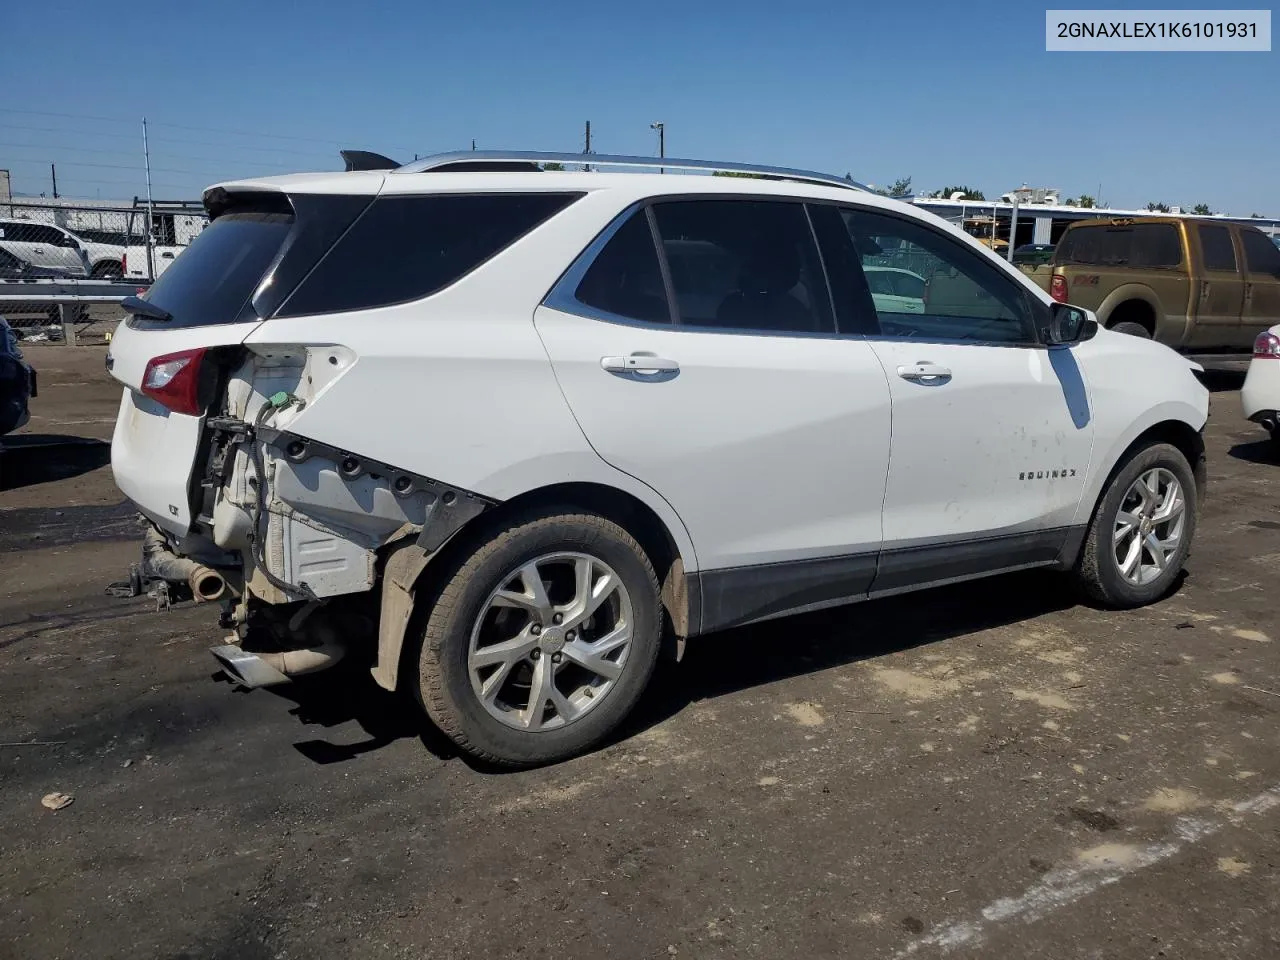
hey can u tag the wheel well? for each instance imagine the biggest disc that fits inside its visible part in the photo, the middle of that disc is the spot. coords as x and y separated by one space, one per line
1134 311
1177 434
629 512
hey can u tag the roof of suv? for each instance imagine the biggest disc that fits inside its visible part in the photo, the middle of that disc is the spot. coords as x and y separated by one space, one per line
379 181
502 170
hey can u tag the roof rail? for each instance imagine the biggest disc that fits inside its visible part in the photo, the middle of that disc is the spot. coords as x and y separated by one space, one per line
494 160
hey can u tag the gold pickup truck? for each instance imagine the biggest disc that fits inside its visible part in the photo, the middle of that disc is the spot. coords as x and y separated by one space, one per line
1193 284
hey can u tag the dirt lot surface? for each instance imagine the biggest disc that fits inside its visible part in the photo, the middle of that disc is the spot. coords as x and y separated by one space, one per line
990 770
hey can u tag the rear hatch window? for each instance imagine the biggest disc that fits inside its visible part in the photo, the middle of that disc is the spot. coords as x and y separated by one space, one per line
1122 245
212 281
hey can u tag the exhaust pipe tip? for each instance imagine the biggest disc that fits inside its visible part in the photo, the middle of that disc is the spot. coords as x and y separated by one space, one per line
1269 423
245 668
206 585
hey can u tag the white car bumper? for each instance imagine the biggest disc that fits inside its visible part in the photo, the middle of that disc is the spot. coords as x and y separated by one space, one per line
1260 395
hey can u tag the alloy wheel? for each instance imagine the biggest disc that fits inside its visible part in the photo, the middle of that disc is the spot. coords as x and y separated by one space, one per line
1149 526
551 641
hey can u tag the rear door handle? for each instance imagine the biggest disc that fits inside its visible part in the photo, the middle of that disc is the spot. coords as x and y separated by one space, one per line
923 371
639 363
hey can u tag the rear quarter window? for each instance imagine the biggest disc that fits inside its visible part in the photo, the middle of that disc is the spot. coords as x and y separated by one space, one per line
404 248
1121 245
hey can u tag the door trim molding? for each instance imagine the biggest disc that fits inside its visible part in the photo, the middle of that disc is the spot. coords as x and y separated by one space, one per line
737 596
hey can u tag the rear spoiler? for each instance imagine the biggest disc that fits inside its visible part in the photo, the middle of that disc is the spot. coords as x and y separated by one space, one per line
364 160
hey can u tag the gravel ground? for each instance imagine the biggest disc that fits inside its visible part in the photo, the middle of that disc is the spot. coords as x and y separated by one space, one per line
991 770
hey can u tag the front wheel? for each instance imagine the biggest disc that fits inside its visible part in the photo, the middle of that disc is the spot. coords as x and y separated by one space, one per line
1141 531
542 641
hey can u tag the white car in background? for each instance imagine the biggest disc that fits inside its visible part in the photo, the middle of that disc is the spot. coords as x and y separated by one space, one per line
105 251
1260 395
492 431
45 246
895 289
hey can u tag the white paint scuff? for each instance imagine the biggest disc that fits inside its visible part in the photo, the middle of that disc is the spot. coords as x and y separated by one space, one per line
1091 871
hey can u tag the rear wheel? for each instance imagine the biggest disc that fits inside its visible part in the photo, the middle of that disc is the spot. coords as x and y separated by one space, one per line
1133 329
1141 531
542 641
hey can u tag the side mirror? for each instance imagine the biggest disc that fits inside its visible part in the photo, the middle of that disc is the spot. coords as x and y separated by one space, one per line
1068 324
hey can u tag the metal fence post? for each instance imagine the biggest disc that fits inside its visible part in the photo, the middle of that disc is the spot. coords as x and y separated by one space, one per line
67 312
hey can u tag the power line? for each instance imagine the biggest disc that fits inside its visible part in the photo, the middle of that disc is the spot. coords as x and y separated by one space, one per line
328 141
130 136
49 148
121 166
73 133
68 116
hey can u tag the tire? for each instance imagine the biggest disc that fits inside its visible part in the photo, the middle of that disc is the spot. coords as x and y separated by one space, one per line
1098 568
1132 329
468 619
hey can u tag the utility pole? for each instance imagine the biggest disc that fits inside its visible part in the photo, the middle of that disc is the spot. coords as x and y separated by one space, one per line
53 169
662 141
1013 230
473 143
587 145
146 159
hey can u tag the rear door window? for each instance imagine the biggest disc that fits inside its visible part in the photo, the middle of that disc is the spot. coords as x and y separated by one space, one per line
744 265
1219 252
1262 256
213 280
404 248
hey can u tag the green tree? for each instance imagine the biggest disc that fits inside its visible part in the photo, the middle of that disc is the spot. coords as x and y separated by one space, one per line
1158 207
1202 209
970 193
901 187
552 165
1084 200
734 173
1255 216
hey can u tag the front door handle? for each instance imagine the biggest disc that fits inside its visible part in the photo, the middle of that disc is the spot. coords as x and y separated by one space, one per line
640 363
930 374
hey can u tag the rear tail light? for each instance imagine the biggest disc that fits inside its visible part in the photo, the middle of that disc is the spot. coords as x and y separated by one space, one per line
1266 346
1058 288
124 262
174 381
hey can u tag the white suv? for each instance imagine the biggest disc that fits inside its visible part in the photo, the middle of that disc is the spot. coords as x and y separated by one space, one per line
494 430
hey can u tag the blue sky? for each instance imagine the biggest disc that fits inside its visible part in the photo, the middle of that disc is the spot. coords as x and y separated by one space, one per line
942 92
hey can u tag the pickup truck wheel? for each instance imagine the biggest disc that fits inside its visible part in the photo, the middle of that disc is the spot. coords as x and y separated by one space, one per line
542 640
1141 531
1133 329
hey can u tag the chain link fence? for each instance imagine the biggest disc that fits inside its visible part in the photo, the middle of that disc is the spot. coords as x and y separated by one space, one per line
82 244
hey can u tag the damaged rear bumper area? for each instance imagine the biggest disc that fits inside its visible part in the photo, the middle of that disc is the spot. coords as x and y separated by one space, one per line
294 539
